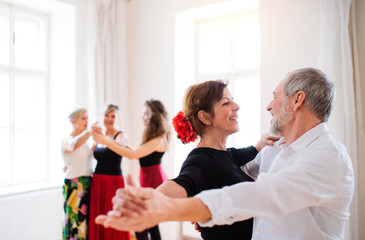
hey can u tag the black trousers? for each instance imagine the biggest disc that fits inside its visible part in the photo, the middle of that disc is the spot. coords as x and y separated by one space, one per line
154 233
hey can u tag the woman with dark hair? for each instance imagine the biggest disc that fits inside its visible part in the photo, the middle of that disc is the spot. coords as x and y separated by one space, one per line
209 113
155 142
107 177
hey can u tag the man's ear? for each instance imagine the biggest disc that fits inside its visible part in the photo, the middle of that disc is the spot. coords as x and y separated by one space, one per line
298 99
205 117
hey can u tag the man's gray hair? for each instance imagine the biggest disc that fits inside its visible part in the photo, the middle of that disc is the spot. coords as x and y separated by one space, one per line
319 90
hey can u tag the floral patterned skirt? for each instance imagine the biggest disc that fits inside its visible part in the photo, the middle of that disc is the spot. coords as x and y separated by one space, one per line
76 203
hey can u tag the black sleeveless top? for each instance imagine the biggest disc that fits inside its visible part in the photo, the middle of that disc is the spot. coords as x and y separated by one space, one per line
108 162
208 168
151 160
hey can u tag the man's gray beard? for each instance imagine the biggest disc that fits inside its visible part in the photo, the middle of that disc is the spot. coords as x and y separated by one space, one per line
275 129
280 120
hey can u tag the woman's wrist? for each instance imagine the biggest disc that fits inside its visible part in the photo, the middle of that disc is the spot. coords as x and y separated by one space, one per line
259 145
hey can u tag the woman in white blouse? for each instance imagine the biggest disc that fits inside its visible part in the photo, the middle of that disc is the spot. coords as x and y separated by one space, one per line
77 156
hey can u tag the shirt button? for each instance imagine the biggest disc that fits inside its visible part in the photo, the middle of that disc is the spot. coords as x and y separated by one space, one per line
257 229
282 156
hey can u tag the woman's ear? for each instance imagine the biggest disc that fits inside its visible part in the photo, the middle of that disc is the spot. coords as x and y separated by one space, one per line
205 117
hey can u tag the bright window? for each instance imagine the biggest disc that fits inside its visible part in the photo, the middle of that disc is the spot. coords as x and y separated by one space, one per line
228 48
30 48
23 96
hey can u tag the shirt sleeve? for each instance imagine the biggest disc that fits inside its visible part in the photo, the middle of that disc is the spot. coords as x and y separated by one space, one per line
252 168
243 155
191 176
68 144
307 182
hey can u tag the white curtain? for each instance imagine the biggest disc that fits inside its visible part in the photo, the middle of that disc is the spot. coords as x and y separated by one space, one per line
336 61
111 64
313 33
101 61
101 53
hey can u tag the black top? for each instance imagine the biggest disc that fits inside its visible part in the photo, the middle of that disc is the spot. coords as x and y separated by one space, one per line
152 159
108 162
208 168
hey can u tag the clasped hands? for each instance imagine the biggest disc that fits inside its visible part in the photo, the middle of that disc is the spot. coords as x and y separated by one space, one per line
97 133
135 208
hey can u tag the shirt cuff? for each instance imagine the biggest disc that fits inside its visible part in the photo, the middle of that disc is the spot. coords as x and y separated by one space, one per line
220 206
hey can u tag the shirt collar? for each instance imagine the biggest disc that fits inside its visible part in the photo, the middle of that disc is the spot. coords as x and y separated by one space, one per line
280 142
309 136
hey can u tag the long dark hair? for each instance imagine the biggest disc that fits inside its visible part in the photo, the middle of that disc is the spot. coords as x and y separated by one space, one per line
158 123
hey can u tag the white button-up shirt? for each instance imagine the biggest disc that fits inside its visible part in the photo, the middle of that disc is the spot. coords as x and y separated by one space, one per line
302 191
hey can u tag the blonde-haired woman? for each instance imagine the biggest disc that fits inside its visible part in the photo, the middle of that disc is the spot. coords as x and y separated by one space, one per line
77 156
107 177
155 142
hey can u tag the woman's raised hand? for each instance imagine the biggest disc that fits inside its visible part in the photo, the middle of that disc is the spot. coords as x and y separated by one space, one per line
266 139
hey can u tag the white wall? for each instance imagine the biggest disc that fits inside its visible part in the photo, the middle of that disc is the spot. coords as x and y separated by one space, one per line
275 42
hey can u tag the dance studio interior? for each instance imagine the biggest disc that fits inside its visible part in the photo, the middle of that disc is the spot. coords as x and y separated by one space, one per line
58 55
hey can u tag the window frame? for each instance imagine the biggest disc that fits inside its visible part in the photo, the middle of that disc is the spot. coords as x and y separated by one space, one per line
11 187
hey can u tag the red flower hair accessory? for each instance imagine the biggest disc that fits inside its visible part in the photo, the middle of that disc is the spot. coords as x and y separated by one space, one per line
183 128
